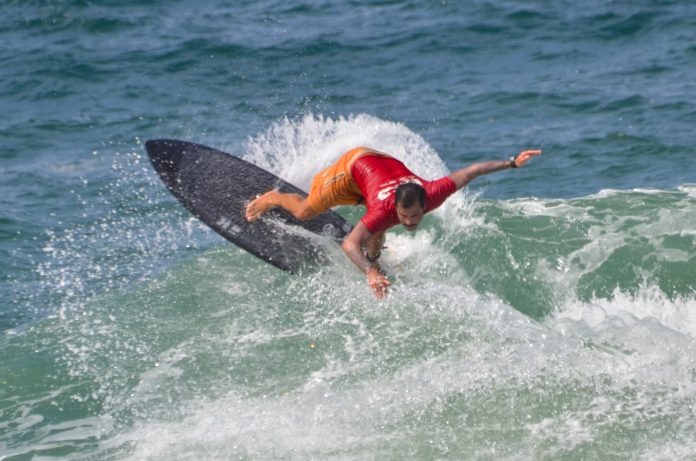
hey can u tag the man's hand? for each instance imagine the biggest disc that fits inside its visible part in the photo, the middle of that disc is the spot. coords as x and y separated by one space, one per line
522 158
378 282
463 176
353 247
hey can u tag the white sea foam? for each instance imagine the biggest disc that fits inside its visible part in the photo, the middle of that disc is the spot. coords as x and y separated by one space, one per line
677 314
507 359
689 189
297 150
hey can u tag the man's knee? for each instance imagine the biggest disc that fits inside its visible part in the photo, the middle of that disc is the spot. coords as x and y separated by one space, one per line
305 212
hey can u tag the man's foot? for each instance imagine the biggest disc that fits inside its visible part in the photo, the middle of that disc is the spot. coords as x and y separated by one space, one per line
260 205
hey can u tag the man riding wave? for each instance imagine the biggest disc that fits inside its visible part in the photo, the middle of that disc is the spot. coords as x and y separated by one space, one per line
391 193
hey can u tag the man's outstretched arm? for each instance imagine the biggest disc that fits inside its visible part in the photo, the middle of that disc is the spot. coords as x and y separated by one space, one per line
464 176
352 246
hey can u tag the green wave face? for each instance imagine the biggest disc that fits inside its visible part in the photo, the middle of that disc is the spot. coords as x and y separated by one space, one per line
538 253
515 329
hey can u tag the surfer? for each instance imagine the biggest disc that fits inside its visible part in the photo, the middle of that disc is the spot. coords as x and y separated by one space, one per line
391 193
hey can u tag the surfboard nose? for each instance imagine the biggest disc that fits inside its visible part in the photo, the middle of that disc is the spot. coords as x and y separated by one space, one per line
166 155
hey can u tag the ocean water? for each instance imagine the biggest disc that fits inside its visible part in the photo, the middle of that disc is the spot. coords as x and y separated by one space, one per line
545 313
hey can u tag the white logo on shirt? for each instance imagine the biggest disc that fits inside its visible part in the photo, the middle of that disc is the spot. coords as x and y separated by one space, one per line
391 186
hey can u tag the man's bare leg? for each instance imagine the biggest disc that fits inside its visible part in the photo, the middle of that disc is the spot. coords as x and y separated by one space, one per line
293 203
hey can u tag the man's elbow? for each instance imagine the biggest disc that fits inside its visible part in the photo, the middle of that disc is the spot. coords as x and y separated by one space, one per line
461 181
347 246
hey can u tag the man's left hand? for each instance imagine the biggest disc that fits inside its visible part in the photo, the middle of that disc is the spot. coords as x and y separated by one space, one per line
525 155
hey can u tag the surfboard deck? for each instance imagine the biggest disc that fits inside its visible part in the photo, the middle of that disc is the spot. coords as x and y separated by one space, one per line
216 187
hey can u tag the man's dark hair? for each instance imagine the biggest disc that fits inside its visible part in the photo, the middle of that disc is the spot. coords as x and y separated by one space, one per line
408 194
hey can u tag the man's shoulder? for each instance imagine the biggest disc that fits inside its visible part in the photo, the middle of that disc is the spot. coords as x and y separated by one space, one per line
445 183
438 190
380 217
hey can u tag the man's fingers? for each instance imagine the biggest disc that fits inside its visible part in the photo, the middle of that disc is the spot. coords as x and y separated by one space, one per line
380 291
530 153
379 286
525 155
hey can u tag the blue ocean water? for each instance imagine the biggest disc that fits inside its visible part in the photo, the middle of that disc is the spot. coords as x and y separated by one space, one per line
543 313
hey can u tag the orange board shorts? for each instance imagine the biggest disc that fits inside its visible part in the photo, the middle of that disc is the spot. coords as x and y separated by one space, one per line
335 185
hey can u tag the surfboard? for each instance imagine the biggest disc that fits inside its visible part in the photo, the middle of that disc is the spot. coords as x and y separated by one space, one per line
216 187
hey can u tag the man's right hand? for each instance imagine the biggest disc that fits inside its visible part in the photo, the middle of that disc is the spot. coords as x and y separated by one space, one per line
378 282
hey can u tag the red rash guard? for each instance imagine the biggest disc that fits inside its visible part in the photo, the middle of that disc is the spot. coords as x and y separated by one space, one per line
378 177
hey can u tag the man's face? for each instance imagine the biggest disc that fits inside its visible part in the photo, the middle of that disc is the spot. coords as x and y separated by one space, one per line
410 217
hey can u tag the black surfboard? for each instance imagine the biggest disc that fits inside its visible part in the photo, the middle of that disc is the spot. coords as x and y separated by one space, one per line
216 187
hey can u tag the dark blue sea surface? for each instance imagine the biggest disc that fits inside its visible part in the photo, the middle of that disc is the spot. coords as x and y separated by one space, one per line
543 313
